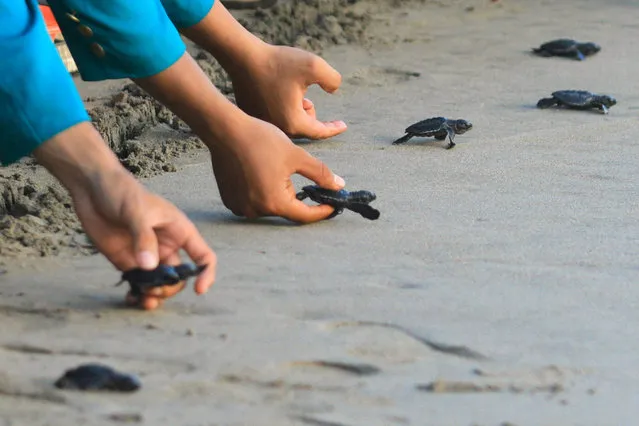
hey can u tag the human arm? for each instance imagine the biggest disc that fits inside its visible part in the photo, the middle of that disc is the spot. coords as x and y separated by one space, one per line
270 82
42 113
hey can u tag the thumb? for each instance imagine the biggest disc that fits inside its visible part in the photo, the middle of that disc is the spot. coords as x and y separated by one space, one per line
145 244
325 75
315 170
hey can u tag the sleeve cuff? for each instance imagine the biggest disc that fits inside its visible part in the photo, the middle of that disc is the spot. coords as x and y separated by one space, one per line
118 38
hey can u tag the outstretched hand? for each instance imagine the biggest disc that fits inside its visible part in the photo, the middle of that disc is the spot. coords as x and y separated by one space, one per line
274 90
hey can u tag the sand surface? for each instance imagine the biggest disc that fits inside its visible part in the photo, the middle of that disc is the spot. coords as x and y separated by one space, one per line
506 265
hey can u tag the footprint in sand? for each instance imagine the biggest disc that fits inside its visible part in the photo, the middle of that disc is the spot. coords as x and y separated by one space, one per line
380 76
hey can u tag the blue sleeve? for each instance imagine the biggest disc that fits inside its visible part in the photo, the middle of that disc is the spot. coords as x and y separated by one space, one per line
38 98
186 13
114 39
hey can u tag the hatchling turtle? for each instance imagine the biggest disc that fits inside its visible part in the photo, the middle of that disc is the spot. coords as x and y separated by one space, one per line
97 377
356 201
439 127
567 48
578 99
140 279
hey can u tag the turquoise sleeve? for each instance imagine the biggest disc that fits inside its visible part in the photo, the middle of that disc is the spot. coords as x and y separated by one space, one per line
186 13
114 39
38 98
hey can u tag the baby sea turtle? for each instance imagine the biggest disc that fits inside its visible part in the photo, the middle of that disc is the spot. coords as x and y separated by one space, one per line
97 377
578 99
356 201
439 127
141 279
567 48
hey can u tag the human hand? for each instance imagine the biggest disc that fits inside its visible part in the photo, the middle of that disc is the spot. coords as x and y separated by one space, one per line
129 225
254 179
273 85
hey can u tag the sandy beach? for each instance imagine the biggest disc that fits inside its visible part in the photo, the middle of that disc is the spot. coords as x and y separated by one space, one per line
495 289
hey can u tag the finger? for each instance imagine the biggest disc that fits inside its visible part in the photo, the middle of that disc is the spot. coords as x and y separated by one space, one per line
315 129
325 75
145 244
315 170
307 104
201 254
297 211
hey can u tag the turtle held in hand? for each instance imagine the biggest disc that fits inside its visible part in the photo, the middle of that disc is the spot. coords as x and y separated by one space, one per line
567 48
356 201
439 127
140 279
578 99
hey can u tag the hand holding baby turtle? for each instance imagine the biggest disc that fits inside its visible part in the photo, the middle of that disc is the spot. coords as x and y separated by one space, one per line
356 201
567 48
141 279
578 99
439 127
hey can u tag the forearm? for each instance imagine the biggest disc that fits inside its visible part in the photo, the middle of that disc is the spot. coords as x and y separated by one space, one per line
188 92
226 39
77 157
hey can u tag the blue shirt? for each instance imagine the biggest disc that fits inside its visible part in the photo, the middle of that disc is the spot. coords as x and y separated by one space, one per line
108 39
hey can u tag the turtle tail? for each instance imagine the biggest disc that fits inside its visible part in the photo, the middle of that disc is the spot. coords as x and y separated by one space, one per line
403 139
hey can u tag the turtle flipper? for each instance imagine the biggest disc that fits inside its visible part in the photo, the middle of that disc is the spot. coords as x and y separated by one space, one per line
365 210
579 56
403 139
547 103
451 138
441 135
336 212
603 109
302 195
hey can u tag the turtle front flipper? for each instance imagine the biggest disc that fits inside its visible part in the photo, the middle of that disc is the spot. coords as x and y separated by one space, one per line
365 210
336 212
579 56
403 139
603 109
302 195
451 138
547 103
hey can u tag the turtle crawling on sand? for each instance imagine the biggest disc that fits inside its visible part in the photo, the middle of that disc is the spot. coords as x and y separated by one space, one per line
578 99
140 279
439 127
356 201
567 48
97 377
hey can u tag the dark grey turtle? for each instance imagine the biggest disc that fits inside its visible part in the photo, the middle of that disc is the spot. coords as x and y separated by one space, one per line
356 201
140 279
97 377
439 127
567 48
578 99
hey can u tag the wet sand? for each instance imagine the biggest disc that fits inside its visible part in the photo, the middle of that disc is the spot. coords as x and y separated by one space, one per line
507 263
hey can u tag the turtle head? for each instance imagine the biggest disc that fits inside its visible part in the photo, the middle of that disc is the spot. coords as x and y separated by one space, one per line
462 126
607 101
589 48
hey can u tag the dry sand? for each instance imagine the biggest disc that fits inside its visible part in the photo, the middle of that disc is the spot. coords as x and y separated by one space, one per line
507 263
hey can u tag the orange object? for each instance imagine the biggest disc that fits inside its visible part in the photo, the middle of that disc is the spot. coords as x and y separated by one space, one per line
52 25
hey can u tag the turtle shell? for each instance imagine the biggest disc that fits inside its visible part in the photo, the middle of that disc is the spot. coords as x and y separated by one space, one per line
574 97
430 125
561 45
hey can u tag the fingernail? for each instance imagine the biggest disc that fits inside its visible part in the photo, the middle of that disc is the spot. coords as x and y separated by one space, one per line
338 180
341 124
147 260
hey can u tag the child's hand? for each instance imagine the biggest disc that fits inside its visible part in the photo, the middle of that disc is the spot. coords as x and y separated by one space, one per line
254 179
273 90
